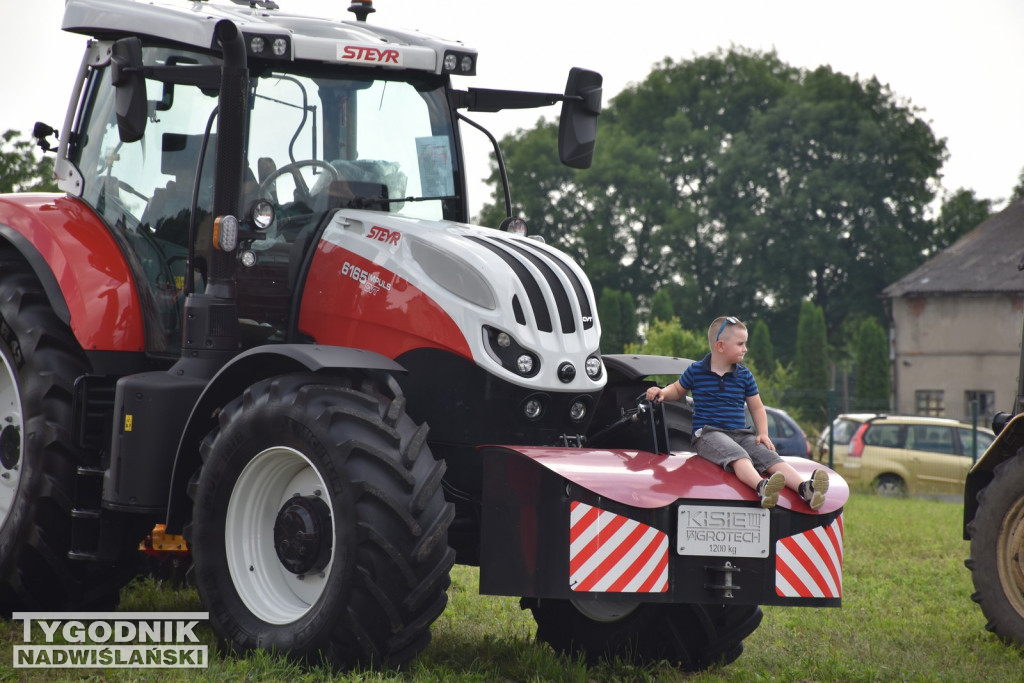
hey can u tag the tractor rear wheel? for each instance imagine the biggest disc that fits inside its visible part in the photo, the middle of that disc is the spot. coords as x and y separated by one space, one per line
39 363
319 524
997 550
692 637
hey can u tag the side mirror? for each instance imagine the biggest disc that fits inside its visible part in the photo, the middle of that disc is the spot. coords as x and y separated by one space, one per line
126 76
577 127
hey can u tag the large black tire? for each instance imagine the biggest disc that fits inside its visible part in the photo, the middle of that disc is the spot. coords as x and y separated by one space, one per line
691 637
357 568
39 362
997 550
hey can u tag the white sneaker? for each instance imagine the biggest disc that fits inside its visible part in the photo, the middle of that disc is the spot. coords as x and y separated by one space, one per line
769 489
814 489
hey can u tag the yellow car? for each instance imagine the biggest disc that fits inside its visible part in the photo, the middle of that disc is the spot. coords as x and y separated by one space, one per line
899 455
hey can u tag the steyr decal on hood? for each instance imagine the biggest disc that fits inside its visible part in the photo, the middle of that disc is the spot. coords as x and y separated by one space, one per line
384 235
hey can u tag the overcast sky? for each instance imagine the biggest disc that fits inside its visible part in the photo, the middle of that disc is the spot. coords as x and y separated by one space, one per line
959 62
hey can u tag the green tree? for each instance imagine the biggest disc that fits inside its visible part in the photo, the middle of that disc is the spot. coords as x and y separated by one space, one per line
627 319
759 348
1018 189
872 367
811 364
961 212
617 312
775 386
668 338
744 185
826 194
661 306
610 313
20 169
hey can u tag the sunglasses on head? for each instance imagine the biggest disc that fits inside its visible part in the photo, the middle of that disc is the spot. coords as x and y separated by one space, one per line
729 320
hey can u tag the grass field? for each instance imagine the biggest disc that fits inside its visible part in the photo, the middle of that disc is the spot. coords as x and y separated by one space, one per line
906 616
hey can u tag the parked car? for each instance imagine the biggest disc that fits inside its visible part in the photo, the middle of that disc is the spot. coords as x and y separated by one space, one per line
786 434
844 427
901 455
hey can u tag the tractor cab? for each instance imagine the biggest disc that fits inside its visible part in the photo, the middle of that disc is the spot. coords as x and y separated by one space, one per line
316 117
315 140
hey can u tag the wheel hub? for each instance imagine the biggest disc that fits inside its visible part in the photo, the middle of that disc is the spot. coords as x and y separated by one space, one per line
606 610
303 534
10 447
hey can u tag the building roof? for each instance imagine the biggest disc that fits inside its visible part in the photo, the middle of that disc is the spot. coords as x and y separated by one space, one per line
984 261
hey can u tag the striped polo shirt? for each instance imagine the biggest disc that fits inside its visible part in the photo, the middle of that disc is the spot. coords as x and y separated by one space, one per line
718 400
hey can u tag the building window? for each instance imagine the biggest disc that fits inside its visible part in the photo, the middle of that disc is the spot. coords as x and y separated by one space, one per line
930 402
986 404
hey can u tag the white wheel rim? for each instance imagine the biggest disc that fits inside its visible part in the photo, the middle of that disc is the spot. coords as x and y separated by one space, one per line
10 418
267 588
605 610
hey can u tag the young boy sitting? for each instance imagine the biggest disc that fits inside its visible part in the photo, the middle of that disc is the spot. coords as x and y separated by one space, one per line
720 387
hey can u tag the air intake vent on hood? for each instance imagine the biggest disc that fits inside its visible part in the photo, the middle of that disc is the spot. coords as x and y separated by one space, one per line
517 254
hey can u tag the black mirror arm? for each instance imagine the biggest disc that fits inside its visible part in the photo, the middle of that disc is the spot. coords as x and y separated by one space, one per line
486 99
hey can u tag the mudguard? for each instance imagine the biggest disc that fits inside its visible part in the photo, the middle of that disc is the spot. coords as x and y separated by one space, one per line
243 370
569 523
1007 444
67 245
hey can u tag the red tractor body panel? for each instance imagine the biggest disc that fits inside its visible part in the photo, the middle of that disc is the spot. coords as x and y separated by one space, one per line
88 265
350 300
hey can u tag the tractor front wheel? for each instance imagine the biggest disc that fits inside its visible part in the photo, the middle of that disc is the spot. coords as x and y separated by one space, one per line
997 550
319 525
692 637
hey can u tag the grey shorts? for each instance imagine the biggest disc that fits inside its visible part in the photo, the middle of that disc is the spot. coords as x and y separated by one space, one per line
725 446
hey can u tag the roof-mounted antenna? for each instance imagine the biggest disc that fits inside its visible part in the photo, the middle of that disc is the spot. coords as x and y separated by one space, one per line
361 8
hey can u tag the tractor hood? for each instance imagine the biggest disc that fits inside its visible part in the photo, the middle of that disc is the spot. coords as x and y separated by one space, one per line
514 306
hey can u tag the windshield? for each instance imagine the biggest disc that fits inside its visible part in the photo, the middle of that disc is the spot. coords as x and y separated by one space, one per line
320 140
316 140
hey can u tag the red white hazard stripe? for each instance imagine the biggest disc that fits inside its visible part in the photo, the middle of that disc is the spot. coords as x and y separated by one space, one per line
810 565
609 553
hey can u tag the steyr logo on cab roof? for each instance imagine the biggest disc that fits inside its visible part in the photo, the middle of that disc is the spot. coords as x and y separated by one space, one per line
360 53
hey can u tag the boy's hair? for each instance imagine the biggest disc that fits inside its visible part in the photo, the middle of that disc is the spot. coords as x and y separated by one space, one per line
719 326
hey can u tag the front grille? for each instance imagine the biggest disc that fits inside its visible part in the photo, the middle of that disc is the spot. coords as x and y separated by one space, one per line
517 254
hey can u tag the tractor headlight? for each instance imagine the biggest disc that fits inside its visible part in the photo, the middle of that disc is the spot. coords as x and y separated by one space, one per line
514 226
504 348
459 63
267 46
261 215
593 368
533 408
